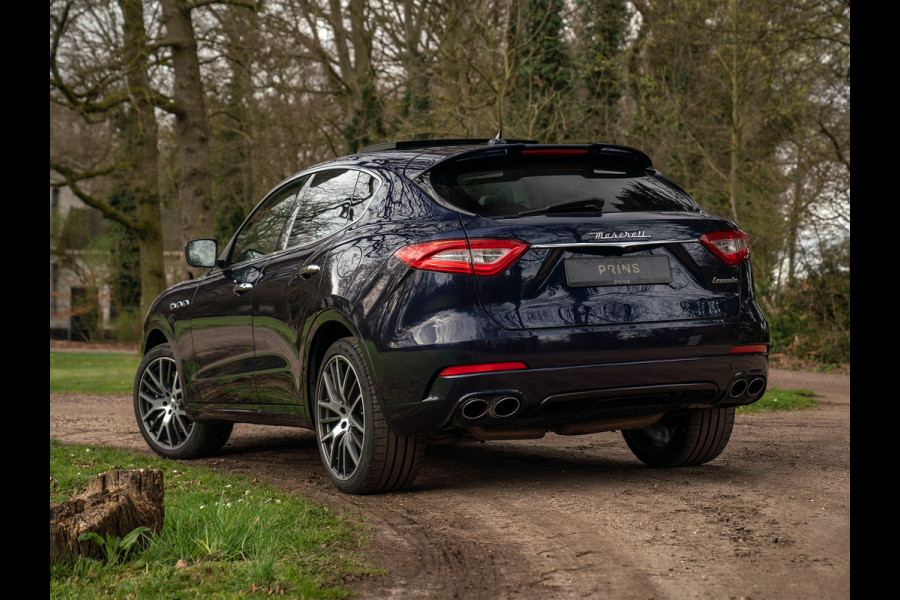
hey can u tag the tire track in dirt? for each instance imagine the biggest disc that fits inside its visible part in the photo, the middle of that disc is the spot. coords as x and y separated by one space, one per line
578 517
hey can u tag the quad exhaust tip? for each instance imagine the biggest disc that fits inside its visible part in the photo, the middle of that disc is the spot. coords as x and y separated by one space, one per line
495 407
506 406
756 386
738 388
746 386
474 409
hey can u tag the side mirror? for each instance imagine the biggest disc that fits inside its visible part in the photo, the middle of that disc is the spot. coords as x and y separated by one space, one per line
201 253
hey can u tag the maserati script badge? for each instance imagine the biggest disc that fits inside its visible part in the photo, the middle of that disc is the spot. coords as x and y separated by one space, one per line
616 235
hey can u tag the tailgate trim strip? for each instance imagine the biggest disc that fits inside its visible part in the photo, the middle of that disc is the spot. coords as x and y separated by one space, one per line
617 244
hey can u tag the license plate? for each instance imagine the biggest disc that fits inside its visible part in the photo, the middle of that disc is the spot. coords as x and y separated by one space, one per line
633 270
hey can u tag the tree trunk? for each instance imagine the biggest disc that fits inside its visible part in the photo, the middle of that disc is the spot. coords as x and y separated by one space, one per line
144 157
115 503
195 190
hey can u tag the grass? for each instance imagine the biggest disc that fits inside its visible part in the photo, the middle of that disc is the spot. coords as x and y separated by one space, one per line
224 537
92 372
775 399
828 368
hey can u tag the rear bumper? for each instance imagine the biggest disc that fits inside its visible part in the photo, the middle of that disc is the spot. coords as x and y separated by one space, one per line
574 373
559 396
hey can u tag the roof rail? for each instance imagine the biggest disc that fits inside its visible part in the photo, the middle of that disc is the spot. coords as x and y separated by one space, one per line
410 144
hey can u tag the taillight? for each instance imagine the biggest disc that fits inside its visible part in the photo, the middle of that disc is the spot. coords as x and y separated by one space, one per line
482 368
754 349
482 257
732 246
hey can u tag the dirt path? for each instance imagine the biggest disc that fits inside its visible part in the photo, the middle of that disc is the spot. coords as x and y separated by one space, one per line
579 517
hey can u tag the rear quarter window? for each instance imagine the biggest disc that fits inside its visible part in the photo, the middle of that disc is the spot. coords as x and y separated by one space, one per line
334 199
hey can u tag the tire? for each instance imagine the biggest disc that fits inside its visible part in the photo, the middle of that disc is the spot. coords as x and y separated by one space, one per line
685 440
359 452
161 417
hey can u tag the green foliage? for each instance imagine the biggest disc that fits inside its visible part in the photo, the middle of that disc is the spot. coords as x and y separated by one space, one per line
77 230
104 258
80 245
115 548
828 368
598 50
366 124
775 399
811 318
223 537
127 325
92 372
125 278
87 320
545 64
744 104
542 73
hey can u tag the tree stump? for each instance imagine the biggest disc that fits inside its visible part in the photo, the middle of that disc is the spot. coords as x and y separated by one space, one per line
115 503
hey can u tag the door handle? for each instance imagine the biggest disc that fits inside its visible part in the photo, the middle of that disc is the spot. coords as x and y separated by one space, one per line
240 288
309 270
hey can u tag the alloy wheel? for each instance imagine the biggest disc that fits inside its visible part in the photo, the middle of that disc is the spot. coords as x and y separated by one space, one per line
340 417
161 404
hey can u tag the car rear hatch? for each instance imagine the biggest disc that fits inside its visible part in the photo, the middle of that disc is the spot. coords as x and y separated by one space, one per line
609 240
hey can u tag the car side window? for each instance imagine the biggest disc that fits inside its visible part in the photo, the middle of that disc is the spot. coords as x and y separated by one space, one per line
333 200
366 186
264 231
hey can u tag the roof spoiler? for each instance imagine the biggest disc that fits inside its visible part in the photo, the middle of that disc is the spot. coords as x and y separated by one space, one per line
516 147
412 144
624 151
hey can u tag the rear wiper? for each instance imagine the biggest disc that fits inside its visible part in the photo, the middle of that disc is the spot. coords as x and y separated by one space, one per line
569 206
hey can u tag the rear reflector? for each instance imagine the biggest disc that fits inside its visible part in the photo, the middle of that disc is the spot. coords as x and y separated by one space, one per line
757 349
732 246
482 257
482 368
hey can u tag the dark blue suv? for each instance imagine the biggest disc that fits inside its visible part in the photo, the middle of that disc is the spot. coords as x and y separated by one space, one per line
486 289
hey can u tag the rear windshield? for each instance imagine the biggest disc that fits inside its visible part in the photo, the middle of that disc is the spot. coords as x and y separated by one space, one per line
513 185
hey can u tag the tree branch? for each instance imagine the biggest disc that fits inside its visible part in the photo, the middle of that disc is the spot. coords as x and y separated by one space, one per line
245 3
72 177
838 151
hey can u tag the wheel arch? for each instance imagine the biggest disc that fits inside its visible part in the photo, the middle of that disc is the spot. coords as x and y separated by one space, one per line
328 328
158 332
154 338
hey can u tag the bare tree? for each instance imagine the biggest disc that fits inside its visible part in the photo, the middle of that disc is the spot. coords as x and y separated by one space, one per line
194 188
189 107
92 77
708 84
337 36
744 102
